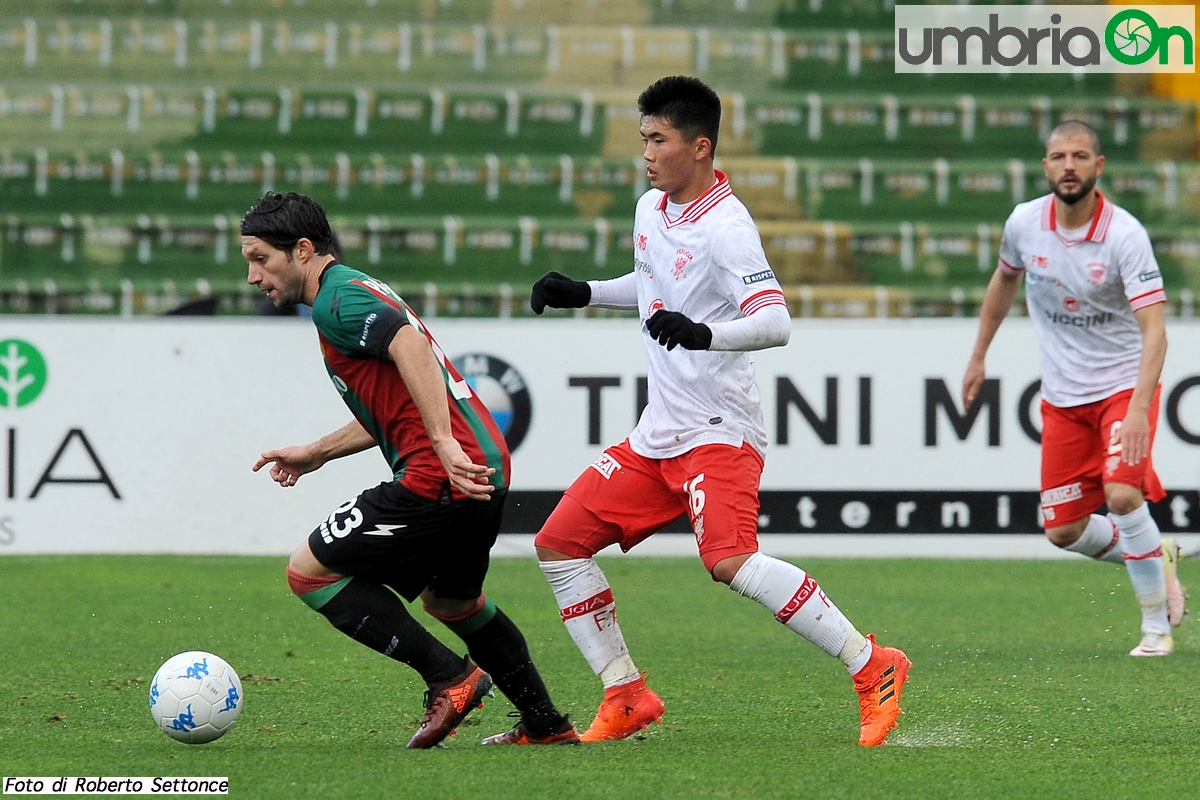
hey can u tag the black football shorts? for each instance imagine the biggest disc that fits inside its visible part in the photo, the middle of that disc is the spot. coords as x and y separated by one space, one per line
391 535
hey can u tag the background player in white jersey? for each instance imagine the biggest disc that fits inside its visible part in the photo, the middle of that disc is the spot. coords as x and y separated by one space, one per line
1095 298
705 296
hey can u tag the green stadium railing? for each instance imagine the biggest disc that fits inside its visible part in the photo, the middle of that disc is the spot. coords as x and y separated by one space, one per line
74 251
246 121
861 189
722 12
129 298
334 51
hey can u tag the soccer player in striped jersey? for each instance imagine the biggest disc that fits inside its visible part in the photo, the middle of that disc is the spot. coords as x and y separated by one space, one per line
1096 301
706 297
428 531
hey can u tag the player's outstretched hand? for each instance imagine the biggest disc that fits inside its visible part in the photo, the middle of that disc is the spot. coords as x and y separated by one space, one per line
558 291
469 478
671 328
288 464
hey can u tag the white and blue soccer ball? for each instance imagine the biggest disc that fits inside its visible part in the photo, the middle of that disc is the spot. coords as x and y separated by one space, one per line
195 697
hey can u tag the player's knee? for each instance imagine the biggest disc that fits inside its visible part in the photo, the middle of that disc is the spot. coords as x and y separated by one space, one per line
302 583
550 547
1122 499
726 569
1065 535
451 610
305 574
303 561
463 617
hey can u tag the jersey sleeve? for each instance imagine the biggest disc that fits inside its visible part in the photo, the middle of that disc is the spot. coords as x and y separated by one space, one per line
363 319
743 272
620 293
1139 269
1010 261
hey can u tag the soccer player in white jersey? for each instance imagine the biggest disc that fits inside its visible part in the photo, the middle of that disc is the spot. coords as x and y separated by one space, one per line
705 297
1096 300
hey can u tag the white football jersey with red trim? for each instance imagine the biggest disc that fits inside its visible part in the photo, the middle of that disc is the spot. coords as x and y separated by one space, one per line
1081 293
705 261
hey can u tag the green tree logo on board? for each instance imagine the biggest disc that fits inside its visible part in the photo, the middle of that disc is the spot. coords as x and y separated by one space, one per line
22 373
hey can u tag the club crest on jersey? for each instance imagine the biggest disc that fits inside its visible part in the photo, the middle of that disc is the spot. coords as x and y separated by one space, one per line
1096 272
683 257
1071 304
655 305
1041 262
642 241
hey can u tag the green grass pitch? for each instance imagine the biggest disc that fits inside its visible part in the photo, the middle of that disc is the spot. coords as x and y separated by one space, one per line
1021 686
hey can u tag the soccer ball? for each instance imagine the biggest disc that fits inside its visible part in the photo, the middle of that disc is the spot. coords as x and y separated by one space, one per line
195 697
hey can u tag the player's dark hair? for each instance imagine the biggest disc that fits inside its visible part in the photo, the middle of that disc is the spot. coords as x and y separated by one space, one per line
687 103
283 218
1075 127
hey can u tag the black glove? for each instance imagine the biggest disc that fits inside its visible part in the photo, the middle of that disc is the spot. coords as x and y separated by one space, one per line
558 291
671 328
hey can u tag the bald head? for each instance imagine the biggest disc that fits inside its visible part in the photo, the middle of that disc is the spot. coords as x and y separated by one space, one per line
1073 128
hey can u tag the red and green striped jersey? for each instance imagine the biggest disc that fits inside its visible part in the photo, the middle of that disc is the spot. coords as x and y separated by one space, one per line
357 317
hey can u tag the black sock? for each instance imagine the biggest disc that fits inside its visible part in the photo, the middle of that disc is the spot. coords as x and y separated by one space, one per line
372 614
500 649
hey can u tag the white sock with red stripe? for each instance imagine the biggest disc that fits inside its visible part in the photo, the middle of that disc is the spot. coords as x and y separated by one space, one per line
587 608
1100 540
796 600
1141 546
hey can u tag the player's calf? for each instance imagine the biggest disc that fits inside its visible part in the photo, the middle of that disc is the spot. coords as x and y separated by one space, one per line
496 644
1094 536
374 616
799 603
1065 536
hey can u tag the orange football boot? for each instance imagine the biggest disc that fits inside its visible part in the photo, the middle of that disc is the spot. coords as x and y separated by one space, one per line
447 704
566 734
626 709
879 684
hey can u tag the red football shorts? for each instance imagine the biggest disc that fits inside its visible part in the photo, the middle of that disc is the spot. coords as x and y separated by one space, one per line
624 498
1080 455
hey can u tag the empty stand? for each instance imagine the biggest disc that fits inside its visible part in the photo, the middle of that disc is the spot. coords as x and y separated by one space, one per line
470 145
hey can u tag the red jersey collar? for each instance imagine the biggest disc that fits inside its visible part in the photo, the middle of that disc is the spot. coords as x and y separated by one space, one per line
1100 218
721 178
698 207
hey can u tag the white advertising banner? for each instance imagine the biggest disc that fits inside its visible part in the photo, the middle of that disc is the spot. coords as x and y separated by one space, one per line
138 436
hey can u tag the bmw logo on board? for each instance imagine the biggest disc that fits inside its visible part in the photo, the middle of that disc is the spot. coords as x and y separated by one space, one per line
502 389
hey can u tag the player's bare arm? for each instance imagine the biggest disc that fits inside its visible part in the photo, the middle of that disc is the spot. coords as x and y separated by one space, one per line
1001 292
289 463
413 357
1134 434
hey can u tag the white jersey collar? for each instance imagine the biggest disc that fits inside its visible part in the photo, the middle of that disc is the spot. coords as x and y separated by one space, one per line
701 205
